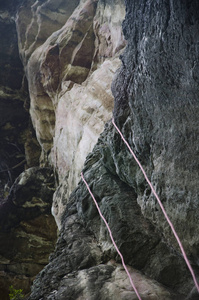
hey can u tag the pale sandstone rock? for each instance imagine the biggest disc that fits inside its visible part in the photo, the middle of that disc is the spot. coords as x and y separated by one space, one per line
120 288
37 20
107 27
80 118
70 77
156 110
66 55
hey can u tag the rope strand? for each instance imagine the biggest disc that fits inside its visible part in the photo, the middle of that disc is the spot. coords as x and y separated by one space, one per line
162 208
111 236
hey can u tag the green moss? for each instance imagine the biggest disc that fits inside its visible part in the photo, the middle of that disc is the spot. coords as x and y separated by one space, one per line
15 294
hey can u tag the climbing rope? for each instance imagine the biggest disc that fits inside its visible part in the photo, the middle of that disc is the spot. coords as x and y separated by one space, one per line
162 208
111 236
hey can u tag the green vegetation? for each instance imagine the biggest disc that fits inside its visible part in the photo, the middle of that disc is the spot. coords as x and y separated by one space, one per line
15 294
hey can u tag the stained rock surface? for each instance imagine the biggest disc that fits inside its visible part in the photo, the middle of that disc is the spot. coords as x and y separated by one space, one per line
18 145
13 115
71 52
156 103
27 229
69 68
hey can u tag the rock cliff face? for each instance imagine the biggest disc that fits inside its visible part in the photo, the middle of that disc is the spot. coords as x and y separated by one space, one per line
18 145
27 229
69 68
70 53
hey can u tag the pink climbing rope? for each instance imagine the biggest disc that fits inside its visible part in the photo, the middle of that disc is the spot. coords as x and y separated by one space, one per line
162 207
111 236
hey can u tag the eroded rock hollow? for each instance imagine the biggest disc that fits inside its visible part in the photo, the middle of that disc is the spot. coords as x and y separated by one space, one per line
72 52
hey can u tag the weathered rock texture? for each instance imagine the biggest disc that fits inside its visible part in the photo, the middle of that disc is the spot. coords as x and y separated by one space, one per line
18 145
27 229
70 53
156 104
69 71
13 116
19 149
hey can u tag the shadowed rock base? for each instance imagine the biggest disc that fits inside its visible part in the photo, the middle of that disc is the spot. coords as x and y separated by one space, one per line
27 229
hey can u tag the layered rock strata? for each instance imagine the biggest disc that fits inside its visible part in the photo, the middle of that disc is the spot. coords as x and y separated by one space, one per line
156 102
156 110
18 145
27 229
70 52
69 73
